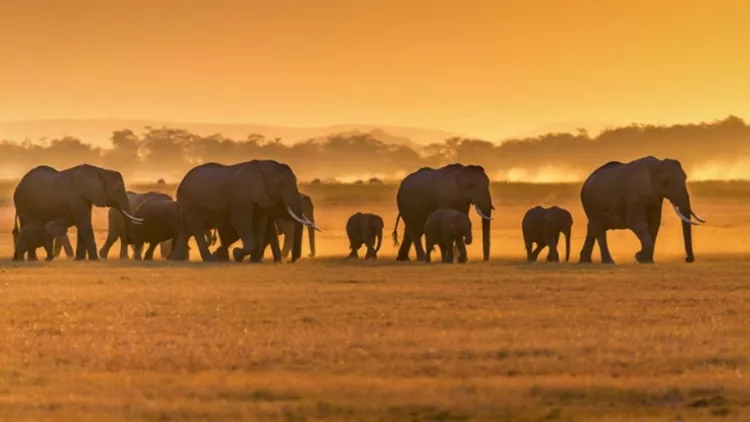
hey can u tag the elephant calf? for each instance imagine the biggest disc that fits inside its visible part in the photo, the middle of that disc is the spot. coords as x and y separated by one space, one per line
446 227
363 229
543 227
161 224
35 235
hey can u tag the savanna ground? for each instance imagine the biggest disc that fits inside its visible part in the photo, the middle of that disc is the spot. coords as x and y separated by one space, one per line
330 339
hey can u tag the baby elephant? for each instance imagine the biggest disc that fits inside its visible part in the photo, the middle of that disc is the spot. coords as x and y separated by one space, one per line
443 228
35 235
363 229
543 227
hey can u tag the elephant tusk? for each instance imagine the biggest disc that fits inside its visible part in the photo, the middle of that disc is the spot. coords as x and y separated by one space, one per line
133 218
682 217
294 216
697 218
481 214
311 224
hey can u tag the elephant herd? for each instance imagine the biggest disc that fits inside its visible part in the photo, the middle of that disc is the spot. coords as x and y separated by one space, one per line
253 202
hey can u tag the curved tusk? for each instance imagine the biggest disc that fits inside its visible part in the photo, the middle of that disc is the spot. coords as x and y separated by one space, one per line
132 218
682 217
480 213
294 216
697 218
310 223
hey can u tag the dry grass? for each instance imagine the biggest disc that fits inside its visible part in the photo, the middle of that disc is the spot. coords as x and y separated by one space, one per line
329 339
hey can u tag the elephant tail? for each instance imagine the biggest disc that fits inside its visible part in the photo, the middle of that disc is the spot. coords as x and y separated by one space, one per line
395 230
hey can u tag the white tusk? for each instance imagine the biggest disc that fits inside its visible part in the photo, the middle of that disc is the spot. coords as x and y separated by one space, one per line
682 217
480 213
697 218
310 223
132 218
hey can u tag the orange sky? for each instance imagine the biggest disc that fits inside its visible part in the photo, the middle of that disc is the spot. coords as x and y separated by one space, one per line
488 68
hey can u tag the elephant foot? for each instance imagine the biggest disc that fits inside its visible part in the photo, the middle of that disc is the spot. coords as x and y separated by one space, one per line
609 261
643 258
402 258
690 259
238 254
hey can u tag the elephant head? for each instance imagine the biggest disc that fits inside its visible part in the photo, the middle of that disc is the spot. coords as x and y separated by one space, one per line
273 186
104 188
462 227
474 188
670 181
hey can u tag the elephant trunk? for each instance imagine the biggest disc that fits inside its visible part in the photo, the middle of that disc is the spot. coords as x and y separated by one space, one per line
380 240
486 235
293 203
311 234
687 232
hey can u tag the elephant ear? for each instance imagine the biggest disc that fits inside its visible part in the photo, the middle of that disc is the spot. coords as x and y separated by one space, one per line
258 183
374 223
90 184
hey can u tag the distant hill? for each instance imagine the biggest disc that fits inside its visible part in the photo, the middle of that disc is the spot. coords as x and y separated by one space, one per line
98 131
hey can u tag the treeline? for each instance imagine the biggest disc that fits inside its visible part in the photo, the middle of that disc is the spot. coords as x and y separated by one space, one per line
720 147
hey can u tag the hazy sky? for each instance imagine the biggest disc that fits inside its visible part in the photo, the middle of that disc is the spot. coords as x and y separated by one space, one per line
488 68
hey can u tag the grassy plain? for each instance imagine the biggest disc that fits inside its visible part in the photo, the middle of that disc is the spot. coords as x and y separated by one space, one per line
330 339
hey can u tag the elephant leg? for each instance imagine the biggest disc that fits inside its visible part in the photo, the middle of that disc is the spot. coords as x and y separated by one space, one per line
461 246
65 241
552 255
588 245
403 250
653 219
415 235
535 253
137 250
637 223
150 251
273 240
370 245
245 220
354 246
227 236
198 232
165 248
260 225
108 243
428 252
448 256
601 239
57 246
86 243
80 248
287 229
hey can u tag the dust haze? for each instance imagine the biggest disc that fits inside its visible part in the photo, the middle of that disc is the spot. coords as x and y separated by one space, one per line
708 151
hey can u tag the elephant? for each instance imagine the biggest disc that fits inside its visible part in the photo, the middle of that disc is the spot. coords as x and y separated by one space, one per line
45 194
242 201
619 196
363 229
116 227
286 227
35 235
161 224
543 226
454 186
449 229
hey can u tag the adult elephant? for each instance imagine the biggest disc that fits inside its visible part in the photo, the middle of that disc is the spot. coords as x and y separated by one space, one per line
242 201
454 186
286 227
619 196
45 194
